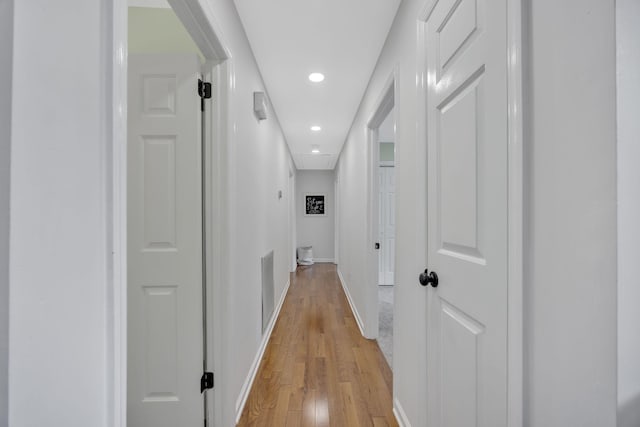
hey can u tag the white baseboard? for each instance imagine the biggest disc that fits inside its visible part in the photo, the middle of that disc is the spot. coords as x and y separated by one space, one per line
246 387
330 260
398 412
354 310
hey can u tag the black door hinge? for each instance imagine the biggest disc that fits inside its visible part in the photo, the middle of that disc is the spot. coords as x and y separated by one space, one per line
206 382
204 89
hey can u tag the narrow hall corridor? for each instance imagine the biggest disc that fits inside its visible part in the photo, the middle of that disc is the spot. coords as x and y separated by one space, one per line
317 369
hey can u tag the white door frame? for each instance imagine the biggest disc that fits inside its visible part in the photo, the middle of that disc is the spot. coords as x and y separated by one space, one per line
336 217
385 164
383 106
515 203
198 18
293 264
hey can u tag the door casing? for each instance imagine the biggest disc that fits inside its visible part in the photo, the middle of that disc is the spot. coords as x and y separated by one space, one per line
383 106
385 167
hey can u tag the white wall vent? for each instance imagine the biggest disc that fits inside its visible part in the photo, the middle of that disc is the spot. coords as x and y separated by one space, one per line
268 290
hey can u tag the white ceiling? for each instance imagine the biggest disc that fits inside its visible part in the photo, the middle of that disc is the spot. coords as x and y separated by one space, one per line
341 39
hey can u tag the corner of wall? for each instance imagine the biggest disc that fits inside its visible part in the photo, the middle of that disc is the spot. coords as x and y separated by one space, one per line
354 308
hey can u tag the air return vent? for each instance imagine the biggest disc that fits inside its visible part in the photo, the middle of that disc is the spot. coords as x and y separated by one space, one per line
267 289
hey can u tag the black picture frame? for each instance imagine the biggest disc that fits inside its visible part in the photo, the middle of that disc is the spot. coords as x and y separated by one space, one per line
315 204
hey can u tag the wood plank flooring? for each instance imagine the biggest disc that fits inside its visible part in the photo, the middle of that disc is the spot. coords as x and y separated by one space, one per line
317 369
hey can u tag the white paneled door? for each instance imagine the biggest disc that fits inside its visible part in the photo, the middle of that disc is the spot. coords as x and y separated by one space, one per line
466 59
387 224
165 328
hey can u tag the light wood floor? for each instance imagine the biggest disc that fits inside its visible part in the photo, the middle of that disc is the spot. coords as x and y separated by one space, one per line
317 369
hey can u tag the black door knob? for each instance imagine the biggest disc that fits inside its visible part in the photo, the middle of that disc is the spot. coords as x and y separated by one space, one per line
427 278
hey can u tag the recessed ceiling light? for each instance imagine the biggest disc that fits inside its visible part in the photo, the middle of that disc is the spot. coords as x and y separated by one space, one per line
316 128
316 77
315 149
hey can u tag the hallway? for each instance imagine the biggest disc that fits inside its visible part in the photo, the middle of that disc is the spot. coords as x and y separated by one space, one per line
516 141
318 370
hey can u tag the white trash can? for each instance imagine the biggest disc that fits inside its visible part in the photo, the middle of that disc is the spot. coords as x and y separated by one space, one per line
305 255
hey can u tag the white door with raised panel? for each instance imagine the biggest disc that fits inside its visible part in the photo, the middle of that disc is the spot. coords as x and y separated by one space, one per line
165 344
466 60
387 225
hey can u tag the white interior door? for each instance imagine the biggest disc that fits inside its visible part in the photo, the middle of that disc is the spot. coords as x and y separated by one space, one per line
165 344
466 48
387 228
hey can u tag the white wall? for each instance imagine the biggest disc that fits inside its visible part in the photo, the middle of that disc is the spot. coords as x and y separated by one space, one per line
570 316
259 162
316 231
60 234
293 222
58 246
6 64
628 63
158 30
570 265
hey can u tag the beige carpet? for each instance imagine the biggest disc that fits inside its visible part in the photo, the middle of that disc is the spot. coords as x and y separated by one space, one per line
385 322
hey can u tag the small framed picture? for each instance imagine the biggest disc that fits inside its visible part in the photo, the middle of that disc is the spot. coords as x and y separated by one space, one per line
314 205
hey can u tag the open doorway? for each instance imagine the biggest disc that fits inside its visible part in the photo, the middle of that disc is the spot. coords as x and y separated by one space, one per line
381 221
173 133
386 233
165 233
